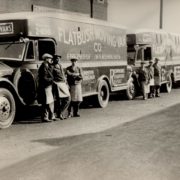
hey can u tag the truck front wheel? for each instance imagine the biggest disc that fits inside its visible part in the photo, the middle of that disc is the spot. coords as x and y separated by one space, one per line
103 94
131 90
168 85
7 108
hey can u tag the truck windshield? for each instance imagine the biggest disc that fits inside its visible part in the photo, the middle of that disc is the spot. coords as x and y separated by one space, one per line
12 51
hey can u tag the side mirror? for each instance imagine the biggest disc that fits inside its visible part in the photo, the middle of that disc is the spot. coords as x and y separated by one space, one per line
136 47
24 40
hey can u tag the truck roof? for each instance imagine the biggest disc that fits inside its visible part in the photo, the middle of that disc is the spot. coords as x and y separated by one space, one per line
57 15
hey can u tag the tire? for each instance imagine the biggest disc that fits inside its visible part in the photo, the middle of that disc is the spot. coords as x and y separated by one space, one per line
168 85
103 94
131 90
7 108
25 84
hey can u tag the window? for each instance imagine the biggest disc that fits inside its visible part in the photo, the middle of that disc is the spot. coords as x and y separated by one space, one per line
30 52
46 46
147 54
139 55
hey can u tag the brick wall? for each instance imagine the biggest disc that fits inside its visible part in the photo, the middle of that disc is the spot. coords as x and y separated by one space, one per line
80 6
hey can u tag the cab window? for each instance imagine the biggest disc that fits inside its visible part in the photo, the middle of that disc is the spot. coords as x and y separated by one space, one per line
45 46
147 54
30 51
139 54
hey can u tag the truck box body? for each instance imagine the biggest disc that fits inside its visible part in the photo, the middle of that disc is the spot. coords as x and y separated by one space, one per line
145 45
99 46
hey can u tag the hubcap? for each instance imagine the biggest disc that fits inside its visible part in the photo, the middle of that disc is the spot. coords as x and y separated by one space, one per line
102 94
4 108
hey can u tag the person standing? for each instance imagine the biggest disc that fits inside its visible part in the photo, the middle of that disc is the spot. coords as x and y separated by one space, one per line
45 94
150 69
74 79
157 77
61 88
143 80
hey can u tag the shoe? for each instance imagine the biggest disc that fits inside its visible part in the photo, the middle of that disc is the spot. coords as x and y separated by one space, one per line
61 117
157 95
53 118
69 115
46 120
76 115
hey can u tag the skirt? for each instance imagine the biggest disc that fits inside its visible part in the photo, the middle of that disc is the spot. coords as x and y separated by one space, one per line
49 95
157 80
62 89
76 92
151 82
145 87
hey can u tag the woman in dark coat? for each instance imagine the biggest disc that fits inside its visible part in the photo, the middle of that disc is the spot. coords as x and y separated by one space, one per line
74 79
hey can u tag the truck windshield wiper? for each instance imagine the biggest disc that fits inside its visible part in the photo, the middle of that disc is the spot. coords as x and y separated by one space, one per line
10 44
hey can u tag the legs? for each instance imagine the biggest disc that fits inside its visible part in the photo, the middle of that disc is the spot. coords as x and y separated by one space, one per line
75 105
61 106
151 93
143 86
47 112
157 91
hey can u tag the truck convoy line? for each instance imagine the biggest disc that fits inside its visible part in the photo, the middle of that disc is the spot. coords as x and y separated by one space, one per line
106 53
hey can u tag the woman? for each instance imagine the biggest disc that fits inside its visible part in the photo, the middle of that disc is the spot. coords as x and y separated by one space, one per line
74 78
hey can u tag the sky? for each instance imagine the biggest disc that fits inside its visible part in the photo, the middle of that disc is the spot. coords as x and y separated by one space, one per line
138 14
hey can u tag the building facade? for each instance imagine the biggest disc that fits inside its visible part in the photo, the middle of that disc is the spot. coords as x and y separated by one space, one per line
93 8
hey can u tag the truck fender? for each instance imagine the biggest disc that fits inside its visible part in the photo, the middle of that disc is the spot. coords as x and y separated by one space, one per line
25 85
105 78
5 83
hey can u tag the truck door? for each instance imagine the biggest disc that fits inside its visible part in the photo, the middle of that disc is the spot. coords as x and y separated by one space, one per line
25 76
143 53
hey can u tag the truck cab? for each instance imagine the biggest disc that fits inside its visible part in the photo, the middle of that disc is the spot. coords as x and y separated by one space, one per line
20 59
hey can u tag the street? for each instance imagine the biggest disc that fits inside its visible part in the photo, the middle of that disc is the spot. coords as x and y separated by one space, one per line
128 140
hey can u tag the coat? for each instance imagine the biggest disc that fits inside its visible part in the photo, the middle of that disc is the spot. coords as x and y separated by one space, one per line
61 88
45 81
74 79
143 75
157 74
150 70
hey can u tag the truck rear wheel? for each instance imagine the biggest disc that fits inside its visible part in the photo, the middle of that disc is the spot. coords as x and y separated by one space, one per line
131 90
103 94
7 108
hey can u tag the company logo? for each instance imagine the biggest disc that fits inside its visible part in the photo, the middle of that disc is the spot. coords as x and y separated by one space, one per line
6 28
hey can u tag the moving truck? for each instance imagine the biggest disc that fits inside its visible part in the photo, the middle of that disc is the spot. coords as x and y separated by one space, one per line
24 37
145 45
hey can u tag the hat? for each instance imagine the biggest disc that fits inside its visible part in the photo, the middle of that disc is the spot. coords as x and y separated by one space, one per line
156 59
73 59
46 55
150 61
142 62
56 56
